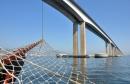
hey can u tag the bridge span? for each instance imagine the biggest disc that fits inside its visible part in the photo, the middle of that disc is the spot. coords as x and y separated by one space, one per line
78 16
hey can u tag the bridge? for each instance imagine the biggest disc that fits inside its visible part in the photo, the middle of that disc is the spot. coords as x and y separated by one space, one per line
24 66
78 16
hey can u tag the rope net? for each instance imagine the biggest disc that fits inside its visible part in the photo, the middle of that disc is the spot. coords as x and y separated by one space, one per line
39 66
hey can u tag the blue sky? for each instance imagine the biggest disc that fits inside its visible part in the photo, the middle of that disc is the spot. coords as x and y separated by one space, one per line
20 24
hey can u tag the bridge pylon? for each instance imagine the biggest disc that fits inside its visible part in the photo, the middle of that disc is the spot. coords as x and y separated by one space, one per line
75 41
83 48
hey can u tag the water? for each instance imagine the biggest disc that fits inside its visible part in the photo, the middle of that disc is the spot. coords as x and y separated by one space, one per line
52 70
114 70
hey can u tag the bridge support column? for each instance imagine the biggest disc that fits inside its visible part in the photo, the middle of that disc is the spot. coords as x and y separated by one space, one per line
75 41
109 49
116 51
106 48
83 49
83 39
112 50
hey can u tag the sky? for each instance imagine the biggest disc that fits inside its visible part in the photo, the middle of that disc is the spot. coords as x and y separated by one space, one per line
21 23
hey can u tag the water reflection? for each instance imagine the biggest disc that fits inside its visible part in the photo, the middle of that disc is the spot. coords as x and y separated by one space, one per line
111 70
108 64
79 70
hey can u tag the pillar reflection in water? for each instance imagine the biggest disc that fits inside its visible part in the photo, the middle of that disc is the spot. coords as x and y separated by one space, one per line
74 75
83 70
79 71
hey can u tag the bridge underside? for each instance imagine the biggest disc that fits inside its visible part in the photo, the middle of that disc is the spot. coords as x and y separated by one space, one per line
73 11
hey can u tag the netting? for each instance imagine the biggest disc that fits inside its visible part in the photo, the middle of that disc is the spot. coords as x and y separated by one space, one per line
41 66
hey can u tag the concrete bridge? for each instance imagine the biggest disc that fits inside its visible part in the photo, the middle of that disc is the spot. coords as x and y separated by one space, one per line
78 16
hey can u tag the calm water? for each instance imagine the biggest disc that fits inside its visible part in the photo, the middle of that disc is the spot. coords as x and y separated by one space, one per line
52 70
114 70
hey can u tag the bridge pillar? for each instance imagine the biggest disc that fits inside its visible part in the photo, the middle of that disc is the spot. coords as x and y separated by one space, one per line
109 49
106 48
83 50
113 51
83 39
116 51
112 48
75 41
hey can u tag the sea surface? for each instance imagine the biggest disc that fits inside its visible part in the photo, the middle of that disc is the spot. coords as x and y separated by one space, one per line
113 70
53 70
